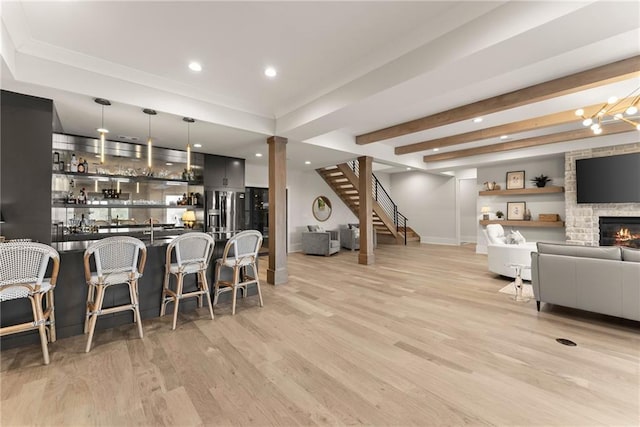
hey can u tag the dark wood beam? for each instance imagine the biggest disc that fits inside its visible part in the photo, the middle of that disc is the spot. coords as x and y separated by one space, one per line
506 129
530 142
599 76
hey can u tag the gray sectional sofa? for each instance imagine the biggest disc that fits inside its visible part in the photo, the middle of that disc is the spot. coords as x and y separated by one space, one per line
600 279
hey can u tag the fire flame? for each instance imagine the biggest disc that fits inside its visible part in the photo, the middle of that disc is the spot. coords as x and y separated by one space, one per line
624 235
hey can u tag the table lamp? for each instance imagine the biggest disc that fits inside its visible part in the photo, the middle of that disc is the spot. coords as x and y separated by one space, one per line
189 218
485 212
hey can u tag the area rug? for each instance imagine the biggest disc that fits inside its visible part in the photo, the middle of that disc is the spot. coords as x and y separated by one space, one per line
527 290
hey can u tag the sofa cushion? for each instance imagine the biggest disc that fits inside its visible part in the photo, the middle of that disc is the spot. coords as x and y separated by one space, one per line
600 252
629 254
335 244
495 234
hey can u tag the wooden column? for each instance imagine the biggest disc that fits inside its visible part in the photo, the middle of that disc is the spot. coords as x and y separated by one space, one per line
277 272
366 211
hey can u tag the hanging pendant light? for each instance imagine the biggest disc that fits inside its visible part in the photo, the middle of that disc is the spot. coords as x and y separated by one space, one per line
102 130
150 113
189 120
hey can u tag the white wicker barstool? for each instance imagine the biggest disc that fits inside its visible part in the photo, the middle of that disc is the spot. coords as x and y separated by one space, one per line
22 270
240 254
192 253
118 260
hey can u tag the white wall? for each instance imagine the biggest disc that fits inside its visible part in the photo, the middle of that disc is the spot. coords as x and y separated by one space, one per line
553 167
429 202
467 205
303 187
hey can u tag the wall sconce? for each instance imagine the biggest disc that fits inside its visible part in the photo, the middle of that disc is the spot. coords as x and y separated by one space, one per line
189 218
485 212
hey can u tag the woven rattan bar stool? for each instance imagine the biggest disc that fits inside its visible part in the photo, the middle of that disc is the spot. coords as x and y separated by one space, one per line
192 254
240 255
22 270
118 260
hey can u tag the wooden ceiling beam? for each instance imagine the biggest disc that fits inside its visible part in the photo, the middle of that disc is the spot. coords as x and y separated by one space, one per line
599 76
506 129
530 142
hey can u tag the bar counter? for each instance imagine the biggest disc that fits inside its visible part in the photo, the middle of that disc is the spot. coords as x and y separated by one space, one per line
70 294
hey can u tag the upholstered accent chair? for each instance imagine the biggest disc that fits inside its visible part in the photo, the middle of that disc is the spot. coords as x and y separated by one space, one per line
350 237
504 251
319 242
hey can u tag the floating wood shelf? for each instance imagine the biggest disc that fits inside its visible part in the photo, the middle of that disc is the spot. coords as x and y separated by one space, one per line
536 224
536 190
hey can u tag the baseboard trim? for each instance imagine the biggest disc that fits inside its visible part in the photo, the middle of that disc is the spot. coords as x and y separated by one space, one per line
439 241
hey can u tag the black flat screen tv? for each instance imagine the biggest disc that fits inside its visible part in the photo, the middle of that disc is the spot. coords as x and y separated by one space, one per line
612 179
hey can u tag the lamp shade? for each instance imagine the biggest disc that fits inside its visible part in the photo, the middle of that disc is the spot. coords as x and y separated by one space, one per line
189 216
485 210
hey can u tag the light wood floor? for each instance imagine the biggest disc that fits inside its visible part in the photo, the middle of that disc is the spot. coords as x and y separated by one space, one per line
420 338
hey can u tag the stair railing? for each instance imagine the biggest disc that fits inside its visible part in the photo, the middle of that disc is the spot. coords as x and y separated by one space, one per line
381 196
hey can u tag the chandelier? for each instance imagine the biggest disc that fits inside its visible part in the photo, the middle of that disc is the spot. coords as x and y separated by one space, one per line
614 109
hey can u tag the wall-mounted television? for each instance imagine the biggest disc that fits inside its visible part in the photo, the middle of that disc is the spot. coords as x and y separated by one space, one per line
612 179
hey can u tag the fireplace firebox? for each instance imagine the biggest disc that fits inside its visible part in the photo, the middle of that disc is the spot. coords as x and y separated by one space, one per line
620 231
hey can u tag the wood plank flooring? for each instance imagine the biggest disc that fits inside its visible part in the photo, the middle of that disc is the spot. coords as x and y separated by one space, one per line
420 338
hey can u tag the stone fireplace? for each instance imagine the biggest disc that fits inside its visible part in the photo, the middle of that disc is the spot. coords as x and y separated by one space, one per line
620 231
583 220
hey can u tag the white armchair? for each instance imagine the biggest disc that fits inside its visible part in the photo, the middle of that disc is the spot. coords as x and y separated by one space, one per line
501 254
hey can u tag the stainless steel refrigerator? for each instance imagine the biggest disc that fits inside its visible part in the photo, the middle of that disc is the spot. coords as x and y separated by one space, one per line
225 211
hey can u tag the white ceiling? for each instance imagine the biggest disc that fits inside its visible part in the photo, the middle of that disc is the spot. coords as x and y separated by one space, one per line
344 68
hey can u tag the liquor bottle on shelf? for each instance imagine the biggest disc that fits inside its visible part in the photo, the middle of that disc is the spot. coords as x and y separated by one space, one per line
86 166
81 166
74 163
56 161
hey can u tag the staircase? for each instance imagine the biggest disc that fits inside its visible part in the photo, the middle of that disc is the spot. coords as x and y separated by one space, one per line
389 224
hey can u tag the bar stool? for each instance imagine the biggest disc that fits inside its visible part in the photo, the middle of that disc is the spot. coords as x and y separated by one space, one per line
192 253
22 270
240 254
118 260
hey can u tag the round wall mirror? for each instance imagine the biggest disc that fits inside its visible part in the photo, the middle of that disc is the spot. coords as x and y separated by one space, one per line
321 208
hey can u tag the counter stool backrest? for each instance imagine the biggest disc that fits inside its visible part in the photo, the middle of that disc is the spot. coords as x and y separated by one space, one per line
25 263
117 255
245 245
192 248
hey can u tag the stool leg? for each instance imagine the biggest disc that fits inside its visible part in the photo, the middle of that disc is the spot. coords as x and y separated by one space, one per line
205 289
90 300
133 289
255 270
165 286
38 318
177 300
52 316
97 306
216 284
234 288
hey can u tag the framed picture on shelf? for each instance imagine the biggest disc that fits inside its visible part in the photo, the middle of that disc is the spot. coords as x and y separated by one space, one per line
515 180
516 210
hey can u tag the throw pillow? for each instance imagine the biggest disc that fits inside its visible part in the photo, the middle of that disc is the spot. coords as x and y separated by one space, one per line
515 238
313 228
352 226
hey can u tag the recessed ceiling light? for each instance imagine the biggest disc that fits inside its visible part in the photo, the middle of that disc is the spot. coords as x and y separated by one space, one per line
408 169
477 120
436 149
504 137
195 66
169 164
197 145
258 154
307 162
270 72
